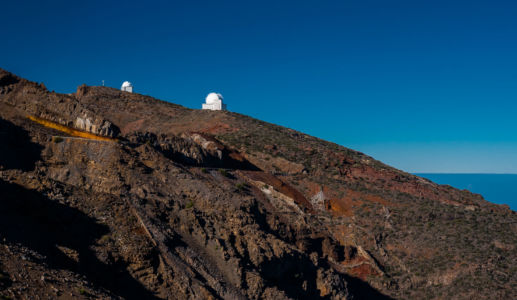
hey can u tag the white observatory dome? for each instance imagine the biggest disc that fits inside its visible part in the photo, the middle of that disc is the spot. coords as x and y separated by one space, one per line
214 101
127 87
213 98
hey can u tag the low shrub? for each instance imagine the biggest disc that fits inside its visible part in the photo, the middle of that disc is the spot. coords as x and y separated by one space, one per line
224 173
242 186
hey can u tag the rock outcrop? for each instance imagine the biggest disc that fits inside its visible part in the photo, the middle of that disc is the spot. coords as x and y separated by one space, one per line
35 100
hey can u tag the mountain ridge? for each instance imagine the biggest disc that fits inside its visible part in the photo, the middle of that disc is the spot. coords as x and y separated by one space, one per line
200 204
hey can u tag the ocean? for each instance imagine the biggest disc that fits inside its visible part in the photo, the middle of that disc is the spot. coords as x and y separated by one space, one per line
496 188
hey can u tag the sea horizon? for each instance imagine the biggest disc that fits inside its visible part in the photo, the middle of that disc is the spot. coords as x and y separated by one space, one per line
497 188
463 173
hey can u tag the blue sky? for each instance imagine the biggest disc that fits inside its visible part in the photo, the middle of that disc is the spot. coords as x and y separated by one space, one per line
425 86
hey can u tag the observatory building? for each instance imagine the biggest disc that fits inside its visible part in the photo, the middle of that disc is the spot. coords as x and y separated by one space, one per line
127 87
214 101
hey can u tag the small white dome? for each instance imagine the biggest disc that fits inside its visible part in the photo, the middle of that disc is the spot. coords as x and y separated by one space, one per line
213 98
127 84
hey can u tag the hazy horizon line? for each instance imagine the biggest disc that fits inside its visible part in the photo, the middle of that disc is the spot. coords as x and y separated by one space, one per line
464 173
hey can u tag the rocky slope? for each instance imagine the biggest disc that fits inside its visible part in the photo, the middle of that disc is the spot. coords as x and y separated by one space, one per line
160 201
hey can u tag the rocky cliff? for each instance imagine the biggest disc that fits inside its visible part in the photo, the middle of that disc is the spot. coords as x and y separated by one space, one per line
160 201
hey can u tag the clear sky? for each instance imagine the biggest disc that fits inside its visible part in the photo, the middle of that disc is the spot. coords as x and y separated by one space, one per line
425 86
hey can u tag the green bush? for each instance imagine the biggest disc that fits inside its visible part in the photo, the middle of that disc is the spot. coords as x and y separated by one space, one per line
224 173
242 186
105 238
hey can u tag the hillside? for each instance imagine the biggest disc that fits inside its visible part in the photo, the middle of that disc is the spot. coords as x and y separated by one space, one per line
108 194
